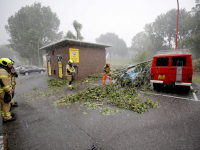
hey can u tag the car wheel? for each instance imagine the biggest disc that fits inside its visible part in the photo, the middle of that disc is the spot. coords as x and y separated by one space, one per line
41 71
26 73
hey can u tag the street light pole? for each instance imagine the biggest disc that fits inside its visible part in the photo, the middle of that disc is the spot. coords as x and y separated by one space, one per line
177 24
37 51
38 55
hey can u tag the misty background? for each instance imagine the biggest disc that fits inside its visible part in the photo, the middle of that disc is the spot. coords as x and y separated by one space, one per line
135 29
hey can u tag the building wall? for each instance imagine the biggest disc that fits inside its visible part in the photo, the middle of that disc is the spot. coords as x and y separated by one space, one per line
91 61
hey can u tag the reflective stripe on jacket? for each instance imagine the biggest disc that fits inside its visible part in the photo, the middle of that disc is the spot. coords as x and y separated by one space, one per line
70 69
107 70
6 80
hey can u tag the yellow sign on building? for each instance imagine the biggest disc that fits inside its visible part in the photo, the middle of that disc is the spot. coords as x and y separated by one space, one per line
74 55
49 65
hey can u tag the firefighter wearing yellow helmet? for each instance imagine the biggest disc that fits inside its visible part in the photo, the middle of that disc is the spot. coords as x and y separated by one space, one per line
5 89
69 72
13 83
107 73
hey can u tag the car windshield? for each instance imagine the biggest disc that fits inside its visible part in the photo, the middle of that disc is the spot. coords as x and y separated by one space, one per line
131 70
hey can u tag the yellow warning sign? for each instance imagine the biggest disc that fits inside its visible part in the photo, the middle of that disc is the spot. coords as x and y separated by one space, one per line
60 72
49 65
74 55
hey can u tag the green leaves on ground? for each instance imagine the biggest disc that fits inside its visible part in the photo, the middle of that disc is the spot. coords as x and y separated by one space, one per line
126 98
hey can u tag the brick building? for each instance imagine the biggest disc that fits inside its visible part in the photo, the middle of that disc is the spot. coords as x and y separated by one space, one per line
89 58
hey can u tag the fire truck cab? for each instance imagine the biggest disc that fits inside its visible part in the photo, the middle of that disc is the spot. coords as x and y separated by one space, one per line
173 70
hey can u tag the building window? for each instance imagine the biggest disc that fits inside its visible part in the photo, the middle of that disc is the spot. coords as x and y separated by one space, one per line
53 52
54 71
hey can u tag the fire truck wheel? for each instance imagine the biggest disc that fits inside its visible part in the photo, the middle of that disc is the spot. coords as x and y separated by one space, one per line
187 89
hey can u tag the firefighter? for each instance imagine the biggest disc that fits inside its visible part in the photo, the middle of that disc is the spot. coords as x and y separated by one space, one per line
107 73
69 73
5 89
13 83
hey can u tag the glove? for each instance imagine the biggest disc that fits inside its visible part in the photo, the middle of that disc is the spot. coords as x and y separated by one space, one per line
16 75
7 97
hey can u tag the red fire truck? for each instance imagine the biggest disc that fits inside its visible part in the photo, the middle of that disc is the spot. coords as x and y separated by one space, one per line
173 70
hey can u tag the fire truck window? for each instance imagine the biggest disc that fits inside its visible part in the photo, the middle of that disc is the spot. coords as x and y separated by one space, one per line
178 61
162 61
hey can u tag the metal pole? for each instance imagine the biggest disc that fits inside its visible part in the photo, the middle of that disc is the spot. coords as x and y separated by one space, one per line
177 25
38 56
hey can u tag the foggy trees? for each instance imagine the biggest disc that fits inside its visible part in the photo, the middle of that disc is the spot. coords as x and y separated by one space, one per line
70 35
192 41
161 34
165 26
118 45
6 52
77 27
32 27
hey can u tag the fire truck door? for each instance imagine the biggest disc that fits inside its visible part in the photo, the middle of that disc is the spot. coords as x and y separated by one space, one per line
60 66
179 70
49 65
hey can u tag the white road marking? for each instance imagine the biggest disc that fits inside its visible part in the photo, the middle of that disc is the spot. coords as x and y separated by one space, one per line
173 96
195 97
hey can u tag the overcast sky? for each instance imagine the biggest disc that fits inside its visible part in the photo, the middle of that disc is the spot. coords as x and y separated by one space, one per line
123 17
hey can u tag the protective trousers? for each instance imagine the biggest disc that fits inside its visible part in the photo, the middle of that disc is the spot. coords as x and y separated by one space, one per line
5 108
13 87
104 78
69 79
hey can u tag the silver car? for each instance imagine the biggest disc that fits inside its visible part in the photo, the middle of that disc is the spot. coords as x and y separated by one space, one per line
26 70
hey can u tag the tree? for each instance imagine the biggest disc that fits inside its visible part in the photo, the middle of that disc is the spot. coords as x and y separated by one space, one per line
165 26
193 26
6 52
32 27
156 41
70 35
118 45
140 41
77 27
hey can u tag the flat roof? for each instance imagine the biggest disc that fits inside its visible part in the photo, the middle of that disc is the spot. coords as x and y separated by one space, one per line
71 42
173 55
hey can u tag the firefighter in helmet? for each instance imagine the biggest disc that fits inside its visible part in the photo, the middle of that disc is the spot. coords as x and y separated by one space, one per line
69 73
5 89
107 73
13 83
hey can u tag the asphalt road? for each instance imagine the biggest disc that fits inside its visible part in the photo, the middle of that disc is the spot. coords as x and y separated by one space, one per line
40 125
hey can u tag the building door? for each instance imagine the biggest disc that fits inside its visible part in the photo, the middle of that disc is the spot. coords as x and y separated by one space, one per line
60 66
49 65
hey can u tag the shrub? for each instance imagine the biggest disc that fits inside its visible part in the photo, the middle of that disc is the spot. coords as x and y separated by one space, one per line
196 64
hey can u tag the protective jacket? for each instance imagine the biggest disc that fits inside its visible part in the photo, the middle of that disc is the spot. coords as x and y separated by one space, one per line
69 70
107 70
13 81
5 84
5 81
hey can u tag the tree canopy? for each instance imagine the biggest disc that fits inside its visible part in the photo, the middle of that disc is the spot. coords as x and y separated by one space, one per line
32 27
118 45
191 41
161 34
6 52
77 27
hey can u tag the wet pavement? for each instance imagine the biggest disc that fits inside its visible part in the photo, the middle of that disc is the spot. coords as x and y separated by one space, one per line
40 125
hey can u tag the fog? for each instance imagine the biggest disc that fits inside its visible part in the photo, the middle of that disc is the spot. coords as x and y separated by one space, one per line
124 18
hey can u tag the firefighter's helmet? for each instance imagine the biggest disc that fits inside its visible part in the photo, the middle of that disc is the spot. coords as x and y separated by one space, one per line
12 61
5 61
107 64
70 61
